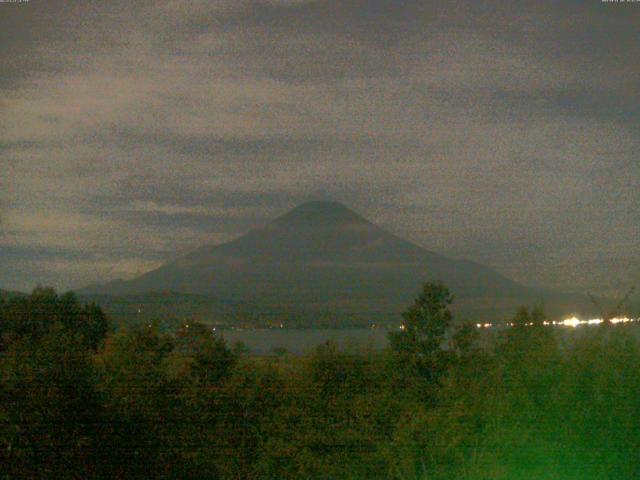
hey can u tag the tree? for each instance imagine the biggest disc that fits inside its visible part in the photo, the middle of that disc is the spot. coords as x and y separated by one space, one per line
49 407
33 316
213 361
334 372
95 326
464 342
142 406
240 348
425 324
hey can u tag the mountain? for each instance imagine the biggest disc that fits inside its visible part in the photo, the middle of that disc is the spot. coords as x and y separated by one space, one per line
323 257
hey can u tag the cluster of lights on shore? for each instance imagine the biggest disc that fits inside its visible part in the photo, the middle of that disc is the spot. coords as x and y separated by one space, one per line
572 322
569 322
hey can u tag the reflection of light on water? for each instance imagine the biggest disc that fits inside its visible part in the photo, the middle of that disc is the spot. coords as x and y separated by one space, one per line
572 322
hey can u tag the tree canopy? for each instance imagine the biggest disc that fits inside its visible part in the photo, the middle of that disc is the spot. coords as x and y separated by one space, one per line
78 400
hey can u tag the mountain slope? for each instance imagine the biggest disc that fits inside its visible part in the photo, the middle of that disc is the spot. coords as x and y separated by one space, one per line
170 309
322 256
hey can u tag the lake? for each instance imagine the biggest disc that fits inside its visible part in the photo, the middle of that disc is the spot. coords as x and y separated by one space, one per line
300 341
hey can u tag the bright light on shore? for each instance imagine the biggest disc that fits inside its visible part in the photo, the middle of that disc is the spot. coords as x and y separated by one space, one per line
572 322
622 320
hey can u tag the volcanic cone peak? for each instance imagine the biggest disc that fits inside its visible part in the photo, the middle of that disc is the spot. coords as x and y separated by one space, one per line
320 213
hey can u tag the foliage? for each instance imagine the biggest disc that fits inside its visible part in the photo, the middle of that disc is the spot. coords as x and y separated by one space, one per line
49 407
532 402
33 316
419 345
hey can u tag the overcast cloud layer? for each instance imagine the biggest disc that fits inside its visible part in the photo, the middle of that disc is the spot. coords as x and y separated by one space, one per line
503 132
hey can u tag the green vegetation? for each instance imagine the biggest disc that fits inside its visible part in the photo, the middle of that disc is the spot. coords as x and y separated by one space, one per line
80 401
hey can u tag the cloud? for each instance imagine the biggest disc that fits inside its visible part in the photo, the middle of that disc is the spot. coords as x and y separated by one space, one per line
132 132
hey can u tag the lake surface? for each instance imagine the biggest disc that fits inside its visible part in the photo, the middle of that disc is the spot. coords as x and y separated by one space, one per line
299 341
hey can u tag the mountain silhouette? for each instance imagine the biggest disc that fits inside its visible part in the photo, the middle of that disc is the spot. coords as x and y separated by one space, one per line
322 256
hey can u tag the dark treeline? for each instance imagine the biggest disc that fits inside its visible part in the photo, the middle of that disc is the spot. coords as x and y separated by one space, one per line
78 400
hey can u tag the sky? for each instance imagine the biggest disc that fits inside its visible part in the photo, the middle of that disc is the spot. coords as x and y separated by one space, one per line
502 132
